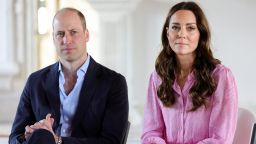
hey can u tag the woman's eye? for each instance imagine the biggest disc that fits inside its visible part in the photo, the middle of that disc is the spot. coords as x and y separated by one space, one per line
175 28
191 28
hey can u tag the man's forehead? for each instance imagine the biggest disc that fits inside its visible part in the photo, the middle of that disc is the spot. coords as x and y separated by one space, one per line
67 21
65 14
66 27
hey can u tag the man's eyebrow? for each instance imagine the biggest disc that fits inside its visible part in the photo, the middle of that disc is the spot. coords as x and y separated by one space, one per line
59 31
73 29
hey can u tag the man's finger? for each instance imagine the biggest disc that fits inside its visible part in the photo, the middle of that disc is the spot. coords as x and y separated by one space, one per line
48 116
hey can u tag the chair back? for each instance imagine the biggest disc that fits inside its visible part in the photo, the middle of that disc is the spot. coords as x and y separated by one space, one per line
245 123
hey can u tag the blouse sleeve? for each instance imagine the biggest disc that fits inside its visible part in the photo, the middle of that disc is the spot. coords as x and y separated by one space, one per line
153 129
223 117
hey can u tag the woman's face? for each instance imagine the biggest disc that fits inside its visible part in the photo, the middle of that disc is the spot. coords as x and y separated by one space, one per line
182 33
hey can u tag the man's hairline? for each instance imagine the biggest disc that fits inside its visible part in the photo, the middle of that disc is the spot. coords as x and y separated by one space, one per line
66 10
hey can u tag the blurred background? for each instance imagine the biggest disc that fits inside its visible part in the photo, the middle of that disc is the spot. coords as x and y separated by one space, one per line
124 36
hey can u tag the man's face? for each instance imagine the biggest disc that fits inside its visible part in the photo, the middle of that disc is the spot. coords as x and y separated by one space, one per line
69 36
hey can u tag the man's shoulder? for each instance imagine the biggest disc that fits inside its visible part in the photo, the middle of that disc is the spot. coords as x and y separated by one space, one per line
44 71
108 72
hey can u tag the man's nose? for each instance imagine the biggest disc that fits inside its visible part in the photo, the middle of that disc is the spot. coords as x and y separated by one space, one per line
67 39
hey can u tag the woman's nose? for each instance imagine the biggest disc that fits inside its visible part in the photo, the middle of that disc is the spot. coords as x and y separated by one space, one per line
182 33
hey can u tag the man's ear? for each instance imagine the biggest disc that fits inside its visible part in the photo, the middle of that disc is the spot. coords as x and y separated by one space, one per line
53 38
87 35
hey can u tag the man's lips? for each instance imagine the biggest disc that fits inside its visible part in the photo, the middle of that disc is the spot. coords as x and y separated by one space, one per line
67 49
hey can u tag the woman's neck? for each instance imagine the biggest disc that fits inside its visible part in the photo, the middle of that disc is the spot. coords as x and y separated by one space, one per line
185 66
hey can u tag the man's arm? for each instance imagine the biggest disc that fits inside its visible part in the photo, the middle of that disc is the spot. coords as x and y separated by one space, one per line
24 116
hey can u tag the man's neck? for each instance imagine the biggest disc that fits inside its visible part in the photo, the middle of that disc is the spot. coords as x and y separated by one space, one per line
71 67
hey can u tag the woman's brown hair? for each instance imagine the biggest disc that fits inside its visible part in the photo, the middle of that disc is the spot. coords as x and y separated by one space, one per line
203 65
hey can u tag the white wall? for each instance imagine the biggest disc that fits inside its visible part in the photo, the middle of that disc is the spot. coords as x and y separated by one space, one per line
147 23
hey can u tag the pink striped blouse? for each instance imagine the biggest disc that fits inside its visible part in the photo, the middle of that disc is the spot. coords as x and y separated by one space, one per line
214 124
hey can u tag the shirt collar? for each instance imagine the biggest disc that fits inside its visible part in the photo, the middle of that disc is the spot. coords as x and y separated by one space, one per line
83 68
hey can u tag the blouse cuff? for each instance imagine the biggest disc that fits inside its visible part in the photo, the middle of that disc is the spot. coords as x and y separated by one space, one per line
154 140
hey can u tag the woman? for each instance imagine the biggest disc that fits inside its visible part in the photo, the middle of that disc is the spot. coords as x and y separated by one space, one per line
192 97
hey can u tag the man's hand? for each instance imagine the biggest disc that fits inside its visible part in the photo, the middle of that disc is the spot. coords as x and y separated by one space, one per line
42 124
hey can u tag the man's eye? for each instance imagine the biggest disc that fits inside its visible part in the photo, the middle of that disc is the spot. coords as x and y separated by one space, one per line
73 32
60 34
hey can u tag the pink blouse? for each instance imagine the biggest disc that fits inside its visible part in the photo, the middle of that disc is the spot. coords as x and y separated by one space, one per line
214 124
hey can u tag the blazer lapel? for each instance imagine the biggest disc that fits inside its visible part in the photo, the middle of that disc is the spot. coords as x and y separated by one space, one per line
51 86
87 90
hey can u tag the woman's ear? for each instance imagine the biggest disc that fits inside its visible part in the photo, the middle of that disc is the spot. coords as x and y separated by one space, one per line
167 31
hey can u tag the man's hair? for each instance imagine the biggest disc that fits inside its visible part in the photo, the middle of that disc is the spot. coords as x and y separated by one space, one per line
79 13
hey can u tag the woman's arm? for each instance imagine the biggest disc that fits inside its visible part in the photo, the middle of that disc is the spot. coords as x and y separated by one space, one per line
153 129
223 118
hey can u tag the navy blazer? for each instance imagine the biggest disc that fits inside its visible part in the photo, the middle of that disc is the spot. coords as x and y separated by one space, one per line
102 110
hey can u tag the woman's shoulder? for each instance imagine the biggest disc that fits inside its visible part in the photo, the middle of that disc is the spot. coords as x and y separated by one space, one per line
220 68
155 77
221 71
154 74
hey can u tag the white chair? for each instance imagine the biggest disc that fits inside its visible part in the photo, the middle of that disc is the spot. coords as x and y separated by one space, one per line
244 127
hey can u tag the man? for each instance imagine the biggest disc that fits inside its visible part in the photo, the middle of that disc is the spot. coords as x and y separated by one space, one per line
74 101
